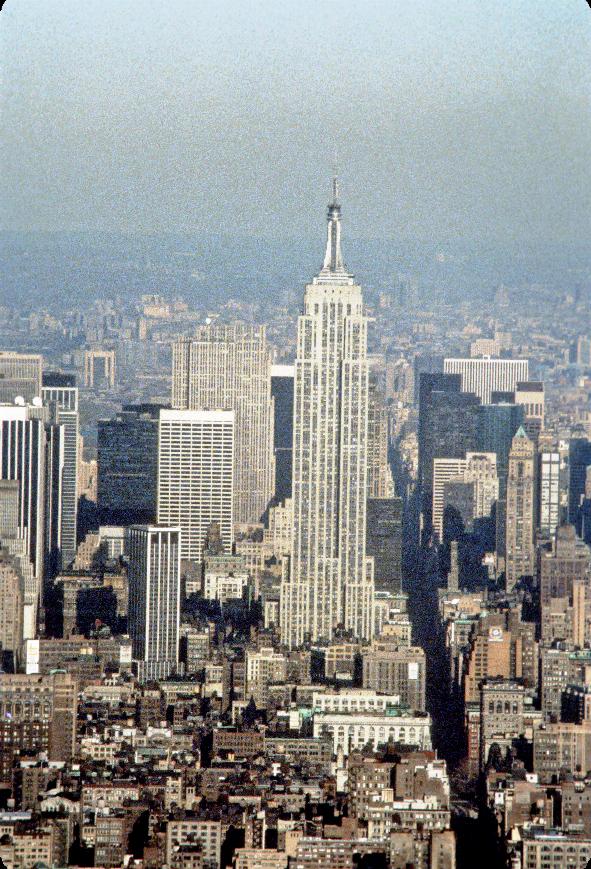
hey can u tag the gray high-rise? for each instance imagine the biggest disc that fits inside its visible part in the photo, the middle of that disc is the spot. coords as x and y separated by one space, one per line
228 367
61 393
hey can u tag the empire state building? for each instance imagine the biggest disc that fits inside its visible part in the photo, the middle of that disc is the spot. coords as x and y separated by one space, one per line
328 581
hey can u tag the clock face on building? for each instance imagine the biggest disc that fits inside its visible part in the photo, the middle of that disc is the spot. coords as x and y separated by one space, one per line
495 634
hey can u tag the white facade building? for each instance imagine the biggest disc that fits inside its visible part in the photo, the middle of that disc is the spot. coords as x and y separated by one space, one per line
65 399
356 701
224 586
195 475
549 492
329 580
352 732
228 367
487 375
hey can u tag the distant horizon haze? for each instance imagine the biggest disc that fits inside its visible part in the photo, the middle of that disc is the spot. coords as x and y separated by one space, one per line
455 120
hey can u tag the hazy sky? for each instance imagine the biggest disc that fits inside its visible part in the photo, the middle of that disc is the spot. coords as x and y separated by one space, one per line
452 119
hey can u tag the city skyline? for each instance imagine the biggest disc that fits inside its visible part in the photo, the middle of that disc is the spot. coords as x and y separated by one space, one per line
295 541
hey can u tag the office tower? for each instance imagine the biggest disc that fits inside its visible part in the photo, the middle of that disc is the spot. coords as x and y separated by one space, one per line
501 715
579 459
379 476
426 363
9 509
583 351
496 428
484 376
20 375
548 500
394 669
53 500
384 541
22 458
229 368
530 395
154 571
61 390
50 703
12 601
128 466
477 475
282 391
497 424
520 518
568 561
448 428
195 476
329 580
13 543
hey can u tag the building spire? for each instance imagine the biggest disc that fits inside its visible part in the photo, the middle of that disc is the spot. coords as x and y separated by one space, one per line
333 258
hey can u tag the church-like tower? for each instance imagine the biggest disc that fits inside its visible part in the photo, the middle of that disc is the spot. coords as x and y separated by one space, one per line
328 581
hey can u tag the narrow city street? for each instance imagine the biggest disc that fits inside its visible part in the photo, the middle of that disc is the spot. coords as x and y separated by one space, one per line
478 843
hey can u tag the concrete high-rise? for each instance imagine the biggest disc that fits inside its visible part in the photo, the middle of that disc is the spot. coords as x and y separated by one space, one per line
195 474
22 458
548 500
20 375
379 476
479 471
154 559
384 541
520 519
228 367
61 391
530 395
486 375
329 579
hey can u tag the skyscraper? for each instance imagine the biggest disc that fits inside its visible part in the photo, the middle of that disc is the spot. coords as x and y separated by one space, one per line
20 375
22 458
195 473
579 460
61 390
530 395
479 471
282 391
520 520
487 375
128 465
379 476
154 571
448 428
329 579
228 367
384 541
548 492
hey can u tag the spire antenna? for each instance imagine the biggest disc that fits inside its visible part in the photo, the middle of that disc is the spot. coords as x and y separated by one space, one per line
333 258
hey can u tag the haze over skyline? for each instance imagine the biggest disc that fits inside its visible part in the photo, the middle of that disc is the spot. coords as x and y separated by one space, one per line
462 120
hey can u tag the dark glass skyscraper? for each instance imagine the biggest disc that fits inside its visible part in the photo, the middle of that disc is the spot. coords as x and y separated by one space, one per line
282 392
497 424
448 427
128 466
384 541
579 459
